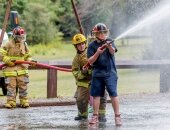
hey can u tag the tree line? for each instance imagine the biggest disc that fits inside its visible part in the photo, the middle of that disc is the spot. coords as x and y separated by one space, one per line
47 20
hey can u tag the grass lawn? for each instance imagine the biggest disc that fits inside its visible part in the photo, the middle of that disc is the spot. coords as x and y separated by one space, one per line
130 81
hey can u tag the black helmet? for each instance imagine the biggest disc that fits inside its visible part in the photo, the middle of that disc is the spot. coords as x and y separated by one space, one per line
100 27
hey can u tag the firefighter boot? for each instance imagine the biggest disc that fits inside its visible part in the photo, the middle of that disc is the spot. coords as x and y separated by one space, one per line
24 103
79 118
10 104
102 118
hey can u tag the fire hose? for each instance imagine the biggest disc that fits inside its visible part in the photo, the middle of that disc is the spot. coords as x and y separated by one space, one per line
87 65
39 65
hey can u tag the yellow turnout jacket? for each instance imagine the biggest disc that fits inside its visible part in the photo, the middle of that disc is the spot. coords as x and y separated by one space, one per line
79 61
15 51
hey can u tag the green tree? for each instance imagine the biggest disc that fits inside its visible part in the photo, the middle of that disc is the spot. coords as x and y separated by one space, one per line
2 11
38 21
66 20
19 5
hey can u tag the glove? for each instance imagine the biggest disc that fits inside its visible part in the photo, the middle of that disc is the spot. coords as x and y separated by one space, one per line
33 64
84 70
11 64
6 59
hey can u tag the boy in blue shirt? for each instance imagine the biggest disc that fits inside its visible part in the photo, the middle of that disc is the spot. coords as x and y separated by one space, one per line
100 55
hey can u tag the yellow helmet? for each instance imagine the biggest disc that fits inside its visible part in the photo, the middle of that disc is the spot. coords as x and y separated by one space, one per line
79 38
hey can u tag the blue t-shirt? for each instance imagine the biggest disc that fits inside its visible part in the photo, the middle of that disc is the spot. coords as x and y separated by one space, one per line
105 63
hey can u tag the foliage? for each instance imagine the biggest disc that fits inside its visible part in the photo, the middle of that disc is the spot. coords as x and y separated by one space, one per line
119 15
66 21
39 23
52 51
2 11
44 21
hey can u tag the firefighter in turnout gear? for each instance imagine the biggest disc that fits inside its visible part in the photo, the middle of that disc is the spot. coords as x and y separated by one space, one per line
82 77
16 75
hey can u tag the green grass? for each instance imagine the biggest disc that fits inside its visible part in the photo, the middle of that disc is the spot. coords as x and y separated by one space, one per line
138 81
130 81
63 50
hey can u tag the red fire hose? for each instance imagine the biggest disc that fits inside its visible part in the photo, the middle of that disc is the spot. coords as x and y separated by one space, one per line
87 65
2 65
40 65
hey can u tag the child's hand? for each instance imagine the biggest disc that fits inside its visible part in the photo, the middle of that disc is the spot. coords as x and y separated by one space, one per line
108 44
100 50
84 70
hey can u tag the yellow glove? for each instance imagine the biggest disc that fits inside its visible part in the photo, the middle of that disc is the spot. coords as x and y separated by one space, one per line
11 64
6 59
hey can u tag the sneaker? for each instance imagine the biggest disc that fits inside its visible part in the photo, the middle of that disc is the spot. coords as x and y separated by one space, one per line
102 119
78 118
94 119
118 121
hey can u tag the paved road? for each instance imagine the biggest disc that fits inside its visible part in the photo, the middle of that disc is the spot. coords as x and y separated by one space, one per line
139 112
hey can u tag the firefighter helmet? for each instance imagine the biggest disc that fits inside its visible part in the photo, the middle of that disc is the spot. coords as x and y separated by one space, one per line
100 27
79 38
19 34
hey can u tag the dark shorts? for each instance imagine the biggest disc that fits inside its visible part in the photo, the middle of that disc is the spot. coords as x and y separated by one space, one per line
99 84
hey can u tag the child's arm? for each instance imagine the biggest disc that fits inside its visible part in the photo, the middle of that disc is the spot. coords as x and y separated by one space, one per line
93 58
77 71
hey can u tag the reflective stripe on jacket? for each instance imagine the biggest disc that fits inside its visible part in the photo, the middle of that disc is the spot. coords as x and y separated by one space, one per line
15 51
15 73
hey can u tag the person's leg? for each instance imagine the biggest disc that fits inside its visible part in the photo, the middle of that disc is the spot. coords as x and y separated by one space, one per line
96 103
115 104
91 101
22 82
102 108
90 108
96 90
111 86
11 92
82 103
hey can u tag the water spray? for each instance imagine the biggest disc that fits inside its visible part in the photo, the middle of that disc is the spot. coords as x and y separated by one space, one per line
160 14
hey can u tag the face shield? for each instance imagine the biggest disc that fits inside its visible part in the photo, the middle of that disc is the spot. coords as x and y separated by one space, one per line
20 38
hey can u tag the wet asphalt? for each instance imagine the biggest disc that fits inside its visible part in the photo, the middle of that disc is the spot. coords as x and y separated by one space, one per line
139 112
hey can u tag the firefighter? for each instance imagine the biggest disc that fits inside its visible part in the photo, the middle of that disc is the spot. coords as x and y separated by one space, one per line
100 55
16 75
83 78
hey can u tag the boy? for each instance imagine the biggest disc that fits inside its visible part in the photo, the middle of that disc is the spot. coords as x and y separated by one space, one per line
100 55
